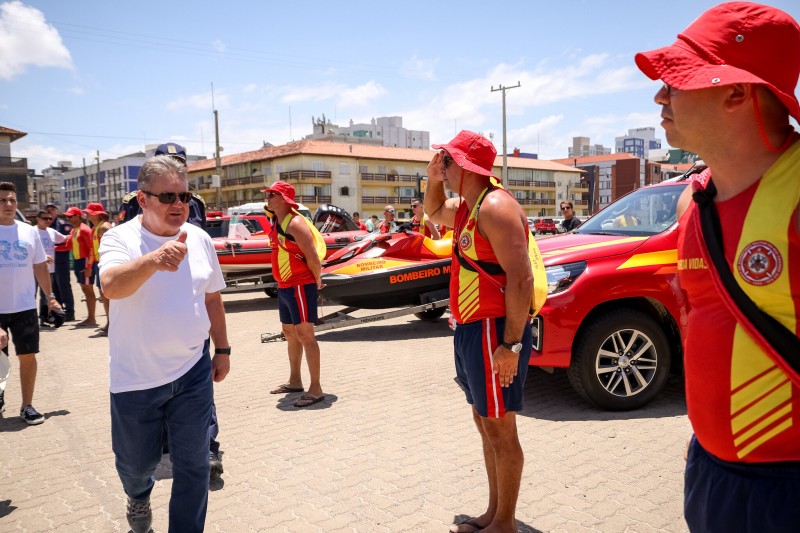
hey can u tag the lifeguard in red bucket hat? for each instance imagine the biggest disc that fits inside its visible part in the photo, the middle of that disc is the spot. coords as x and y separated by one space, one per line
297 268
490 296
728 91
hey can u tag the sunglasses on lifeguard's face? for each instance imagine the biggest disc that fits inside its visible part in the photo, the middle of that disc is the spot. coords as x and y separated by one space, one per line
414 206
272 194
447 160
169 198
390 211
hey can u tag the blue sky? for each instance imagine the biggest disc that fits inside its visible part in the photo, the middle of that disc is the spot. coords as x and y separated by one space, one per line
81 76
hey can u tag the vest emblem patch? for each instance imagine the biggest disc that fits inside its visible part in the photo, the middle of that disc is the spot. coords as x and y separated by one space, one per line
760 263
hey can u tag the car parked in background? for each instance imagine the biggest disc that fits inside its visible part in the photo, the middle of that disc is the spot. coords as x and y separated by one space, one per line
614 311
545 225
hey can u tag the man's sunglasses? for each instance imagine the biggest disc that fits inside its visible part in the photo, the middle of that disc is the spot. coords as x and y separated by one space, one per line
273 194
414 206
390 211
447 160
46 218
565 207
170 197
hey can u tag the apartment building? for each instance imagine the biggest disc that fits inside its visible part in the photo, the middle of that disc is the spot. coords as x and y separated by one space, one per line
381 131
638 141
582 146
15 169
360 177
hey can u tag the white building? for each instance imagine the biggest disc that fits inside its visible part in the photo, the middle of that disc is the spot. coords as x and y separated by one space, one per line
381 131
638 142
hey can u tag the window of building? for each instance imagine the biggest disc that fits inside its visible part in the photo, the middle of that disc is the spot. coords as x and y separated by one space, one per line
362 169
381 169
317 165
344 168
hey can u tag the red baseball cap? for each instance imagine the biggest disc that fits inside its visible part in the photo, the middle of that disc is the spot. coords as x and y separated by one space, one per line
735 42
95 208
471 151
285 190
73 212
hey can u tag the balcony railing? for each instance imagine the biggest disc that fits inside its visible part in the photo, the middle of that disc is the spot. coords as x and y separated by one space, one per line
232 182
389 177
536 201
305 175
381 200
313 199
13 162
532 183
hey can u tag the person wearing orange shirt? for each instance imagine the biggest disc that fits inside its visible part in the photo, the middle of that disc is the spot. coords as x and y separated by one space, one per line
83 257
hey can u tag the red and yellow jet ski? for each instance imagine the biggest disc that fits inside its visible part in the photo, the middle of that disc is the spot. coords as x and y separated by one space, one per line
388 270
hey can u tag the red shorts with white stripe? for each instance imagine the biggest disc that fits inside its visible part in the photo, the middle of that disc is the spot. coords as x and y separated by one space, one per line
298 304
475 343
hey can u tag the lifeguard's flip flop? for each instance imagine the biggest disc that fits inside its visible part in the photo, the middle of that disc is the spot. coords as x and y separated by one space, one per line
286 389
307 401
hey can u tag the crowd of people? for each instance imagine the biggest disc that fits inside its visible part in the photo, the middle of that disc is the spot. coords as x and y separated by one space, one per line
728 92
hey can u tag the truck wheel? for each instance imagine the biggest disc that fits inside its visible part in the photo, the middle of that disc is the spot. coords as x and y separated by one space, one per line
431 314
272 292
622 360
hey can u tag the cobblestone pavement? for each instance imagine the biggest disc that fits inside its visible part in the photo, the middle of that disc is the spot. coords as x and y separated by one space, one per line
392 448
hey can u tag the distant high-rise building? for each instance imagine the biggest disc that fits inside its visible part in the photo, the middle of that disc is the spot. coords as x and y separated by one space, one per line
581 147
638 142
381 131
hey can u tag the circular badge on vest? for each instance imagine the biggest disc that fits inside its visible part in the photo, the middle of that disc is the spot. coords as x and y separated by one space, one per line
465 242
760 263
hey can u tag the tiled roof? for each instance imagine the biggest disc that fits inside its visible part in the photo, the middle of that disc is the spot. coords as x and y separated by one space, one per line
14 134
595 158
362 151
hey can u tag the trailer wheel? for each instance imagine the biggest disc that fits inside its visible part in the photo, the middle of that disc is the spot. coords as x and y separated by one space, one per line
431 314
272 292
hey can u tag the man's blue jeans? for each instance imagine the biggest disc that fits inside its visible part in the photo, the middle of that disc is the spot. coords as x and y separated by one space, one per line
138 419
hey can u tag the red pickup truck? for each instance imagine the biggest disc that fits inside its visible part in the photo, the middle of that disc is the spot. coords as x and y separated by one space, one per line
614 311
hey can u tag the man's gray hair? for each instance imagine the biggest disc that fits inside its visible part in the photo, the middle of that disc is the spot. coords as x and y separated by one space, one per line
160 165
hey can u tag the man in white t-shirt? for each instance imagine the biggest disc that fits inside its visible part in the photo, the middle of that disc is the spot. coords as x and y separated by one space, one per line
21 258
49 238
163 279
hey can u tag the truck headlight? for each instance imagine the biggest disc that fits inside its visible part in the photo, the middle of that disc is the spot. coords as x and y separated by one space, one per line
560 277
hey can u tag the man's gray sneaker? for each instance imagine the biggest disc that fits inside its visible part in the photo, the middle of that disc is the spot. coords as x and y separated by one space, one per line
215 460
30 415
139 515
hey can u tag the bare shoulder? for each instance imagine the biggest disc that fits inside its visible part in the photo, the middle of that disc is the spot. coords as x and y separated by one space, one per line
500 207
297 226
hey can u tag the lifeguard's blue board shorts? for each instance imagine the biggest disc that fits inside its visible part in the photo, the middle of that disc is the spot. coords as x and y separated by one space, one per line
298 304
475 343
740 497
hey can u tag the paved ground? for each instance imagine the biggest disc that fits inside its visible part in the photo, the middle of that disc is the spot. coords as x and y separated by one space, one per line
391 449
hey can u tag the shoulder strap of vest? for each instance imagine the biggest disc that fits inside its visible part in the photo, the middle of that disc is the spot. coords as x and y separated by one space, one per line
282 231
783 343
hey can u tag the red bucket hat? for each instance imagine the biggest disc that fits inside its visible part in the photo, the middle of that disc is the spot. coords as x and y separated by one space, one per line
285 190
736 42
471 151
73 212
95 208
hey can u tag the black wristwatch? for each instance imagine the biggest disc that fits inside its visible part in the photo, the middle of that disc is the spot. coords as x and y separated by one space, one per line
515 347
222 351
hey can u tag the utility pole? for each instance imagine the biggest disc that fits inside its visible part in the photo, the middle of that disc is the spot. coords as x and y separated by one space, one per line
97 178
217 149
85 180
505 162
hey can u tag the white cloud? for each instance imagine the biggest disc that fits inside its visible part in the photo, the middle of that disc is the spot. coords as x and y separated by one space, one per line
27 39
343 95
419 68
200 101
249 88
79 91
218 46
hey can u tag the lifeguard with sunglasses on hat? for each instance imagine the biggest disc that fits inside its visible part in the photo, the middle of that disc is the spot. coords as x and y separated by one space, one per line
728 91
163 281
490 298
